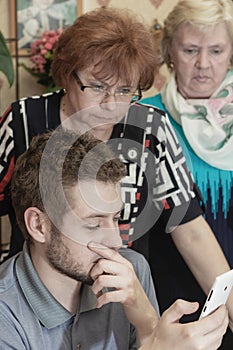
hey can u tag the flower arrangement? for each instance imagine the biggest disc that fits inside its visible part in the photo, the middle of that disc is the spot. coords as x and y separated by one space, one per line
41 55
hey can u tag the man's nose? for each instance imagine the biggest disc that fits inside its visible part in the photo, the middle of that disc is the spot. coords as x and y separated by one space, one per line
112 238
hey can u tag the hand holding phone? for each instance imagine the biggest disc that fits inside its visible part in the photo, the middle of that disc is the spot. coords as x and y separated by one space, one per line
219 293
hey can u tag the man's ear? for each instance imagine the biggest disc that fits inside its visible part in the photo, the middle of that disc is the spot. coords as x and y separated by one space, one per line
37 223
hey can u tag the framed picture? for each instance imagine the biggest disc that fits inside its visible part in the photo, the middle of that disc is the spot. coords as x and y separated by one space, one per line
31 18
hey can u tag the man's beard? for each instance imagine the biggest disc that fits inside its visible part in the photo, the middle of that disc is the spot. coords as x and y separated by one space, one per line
59 257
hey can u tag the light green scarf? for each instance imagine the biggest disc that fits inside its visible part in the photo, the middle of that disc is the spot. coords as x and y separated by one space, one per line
207 123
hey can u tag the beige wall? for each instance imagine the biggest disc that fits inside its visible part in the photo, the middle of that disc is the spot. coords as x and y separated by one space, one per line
27 84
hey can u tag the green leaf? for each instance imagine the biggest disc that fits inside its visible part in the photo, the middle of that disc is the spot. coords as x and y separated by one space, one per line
6 64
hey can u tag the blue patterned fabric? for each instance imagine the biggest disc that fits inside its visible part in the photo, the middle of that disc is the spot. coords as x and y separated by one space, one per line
215 185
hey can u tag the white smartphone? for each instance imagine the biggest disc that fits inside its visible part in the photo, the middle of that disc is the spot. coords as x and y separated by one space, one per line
219 293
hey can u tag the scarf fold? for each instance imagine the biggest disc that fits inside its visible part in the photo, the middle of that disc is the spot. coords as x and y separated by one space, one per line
206 123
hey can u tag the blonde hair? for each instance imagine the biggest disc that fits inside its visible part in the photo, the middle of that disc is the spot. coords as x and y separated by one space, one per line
200 13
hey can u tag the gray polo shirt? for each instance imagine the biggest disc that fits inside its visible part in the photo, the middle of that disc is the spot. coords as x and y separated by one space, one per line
31 318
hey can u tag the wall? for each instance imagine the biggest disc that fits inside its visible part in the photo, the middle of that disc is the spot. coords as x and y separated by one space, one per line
147 10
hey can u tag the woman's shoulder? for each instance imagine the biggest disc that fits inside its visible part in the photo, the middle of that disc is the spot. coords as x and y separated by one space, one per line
146 106
154 101
38 99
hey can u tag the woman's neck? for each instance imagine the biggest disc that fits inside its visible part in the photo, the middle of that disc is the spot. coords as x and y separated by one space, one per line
66 112
64 109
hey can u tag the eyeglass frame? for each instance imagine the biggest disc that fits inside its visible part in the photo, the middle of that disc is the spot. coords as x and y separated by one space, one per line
106 92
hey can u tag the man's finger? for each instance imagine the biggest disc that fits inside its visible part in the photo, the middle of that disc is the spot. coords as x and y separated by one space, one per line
178 309
105 252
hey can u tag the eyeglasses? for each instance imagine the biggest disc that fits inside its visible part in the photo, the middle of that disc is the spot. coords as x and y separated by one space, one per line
100 92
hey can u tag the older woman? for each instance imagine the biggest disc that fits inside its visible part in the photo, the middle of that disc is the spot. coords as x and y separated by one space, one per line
103 62
197 47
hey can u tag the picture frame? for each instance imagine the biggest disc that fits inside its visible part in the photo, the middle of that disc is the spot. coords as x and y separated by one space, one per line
30 18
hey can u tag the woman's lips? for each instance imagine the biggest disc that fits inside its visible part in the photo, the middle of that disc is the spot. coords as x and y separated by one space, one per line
202 78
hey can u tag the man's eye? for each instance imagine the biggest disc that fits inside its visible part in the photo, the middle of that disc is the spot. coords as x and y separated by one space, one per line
93 227
117 218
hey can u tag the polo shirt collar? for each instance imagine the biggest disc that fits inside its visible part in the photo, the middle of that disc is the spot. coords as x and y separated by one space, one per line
46 308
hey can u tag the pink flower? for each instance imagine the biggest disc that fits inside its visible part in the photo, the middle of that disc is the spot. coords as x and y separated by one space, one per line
51 33
41 56
53 40
43 52
48 46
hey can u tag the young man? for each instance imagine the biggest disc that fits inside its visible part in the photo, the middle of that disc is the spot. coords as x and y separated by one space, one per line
70 288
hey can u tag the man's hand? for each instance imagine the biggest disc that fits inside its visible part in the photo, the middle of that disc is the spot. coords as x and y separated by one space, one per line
117 273
205 334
